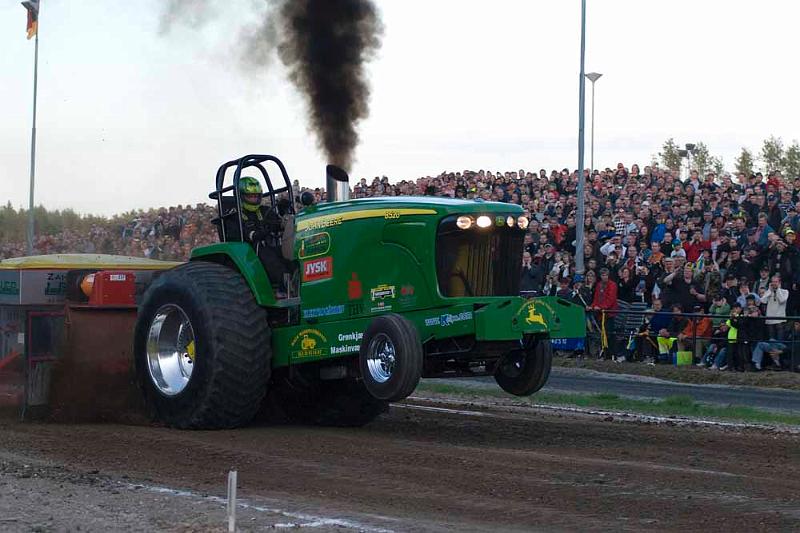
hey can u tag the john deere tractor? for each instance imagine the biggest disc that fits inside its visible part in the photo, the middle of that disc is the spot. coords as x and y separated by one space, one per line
383 291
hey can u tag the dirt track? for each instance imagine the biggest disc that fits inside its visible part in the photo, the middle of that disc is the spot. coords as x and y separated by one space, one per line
425 470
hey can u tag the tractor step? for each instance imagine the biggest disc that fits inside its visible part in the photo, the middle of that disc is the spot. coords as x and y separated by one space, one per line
288 302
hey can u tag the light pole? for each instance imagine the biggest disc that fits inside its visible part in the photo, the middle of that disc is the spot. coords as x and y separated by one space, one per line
579 224
687 153
593 77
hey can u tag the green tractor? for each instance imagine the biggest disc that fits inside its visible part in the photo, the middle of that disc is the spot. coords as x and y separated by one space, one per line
384 291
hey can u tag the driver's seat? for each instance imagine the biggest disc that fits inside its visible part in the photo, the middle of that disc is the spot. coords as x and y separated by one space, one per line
230 220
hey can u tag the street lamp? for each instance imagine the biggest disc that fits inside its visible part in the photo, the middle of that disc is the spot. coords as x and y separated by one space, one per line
593 77
687 153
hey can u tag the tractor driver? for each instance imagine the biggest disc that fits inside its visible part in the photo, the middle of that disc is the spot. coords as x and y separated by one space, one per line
263 228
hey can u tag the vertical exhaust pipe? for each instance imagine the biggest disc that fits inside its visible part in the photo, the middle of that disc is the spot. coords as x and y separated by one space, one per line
337 184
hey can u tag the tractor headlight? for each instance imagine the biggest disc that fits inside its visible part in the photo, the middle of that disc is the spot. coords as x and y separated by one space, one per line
510 221
522 222
484 221
464 222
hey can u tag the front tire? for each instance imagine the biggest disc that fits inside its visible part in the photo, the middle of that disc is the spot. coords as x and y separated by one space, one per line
524 371
202 348
390 358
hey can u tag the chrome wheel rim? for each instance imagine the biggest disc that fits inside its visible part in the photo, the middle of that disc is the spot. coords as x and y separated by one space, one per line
381 357
170 350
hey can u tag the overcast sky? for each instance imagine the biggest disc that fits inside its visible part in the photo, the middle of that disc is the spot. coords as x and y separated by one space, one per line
130 117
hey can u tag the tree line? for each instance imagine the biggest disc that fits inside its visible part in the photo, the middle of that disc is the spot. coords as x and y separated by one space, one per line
774 155
14 222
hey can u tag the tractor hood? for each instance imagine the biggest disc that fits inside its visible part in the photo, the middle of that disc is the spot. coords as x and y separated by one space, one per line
369 256
326 215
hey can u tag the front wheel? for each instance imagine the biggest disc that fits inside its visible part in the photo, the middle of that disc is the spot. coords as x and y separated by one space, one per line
390 358
524 371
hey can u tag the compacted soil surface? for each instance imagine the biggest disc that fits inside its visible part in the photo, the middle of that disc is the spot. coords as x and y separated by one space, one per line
426 465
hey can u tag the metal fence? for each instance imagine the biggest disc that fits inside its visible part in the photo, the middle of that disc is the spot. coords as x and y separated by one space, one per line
634 333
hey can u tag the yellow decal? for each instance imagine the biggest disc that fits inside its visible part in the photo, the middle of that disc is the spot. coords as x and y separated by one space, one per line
190 350
534 317
327 221
308 340
307 343
314 245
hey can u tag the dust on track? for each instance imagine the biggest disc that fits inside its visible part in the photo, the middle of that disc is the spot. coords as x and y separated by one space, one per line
431 470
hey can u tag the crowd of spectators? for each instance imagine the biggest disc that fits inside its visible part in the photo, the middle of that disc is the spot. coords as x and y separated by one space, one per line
167 234
676 245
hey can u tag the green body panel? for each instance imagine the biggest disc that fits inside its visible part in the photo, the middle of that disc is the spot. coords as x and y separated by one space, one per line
248 264
564 319
361 258
332 339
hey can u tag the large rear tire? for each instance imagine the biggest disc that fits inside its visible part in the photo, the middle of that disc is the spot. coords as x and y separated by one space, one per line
202 348
390 358
524 371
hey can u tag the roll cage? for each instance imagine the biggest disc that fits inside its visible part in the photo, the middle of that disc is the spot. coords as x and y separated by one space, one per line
227 202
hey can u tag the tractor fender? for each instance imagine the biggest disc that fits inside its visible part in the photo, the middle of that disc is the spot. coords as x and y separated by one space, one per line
241 257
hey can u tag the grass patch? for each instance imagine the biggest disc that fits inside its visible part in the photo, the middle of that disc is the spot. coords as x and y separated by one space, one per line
688 374
683 406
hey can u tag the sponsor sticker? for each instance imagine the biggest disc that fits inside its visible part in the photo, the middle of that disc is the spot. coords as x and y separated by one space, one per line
308 343
330 310
314 245
448 319
407 296
382 291
10 288
56 284
351 343
318 269
354 291
117 277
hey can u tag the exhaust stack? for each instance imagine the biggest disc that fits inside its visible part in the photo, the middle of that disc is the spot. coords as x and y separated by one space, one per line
338 184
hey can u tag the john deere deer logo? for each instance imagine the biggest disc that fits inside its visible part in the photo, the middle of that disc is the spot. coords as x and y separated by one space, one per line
534 317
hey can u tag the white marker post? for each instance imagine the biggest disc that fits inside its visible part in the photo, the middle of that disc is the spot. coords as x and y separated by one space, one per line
232 501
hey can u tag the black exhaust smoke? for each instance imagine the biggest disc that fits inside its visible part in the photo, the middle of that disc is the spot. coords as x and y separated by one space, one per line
325 45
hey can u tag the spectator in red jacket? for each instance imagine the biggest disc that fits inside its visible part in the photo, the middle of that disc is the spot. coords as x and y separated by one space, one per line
605 299
693 248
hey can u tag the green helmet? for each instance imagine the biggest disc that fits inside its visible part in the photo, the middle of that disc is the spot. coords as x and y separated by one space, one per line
250 193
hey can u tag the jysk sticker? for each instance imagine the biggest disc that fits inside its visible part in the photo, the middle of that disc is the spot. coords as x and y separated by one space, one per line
314 245
309 343
318 269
